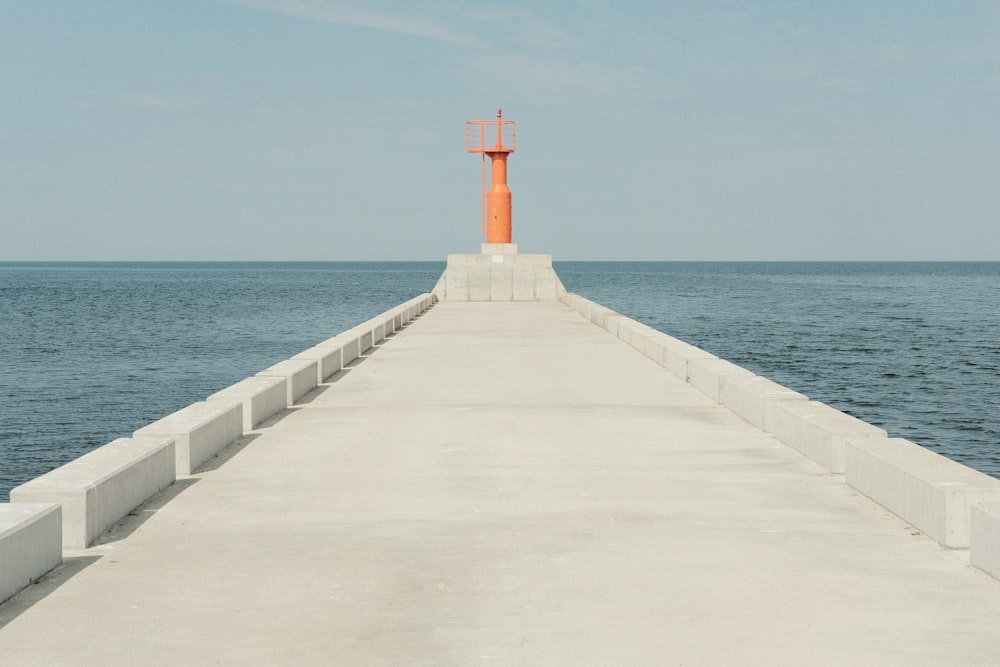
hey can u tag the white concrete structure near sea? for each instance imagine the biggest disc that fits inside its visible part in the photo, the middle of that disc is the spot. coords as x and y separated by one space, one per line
500 472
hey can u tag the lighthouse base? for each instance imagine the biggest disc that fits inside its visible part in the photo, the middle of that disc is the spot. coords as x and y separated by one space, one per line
499 273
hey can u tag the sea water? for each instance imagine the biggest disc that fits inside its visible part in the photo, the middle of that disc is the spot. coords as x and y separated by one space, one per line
90 352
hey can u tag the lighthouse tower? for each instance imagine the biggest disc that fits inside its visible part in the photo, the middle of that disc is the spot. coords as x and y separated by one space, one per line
495 139
499 272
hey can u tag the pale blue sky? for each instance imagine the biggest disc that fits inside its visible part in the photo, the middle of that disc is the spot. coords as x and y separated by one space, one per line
330 130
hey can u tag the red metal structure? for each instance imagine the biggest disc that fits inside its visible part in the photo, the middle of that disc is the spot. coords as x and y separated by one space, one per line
496 139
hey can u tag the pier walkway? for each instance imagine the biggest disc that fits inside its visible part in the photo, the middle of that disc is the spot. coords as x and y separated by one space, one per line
508 484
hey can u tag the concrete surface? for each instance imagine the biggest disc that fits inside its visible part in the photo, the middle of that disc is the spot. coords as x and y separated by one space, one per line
508 484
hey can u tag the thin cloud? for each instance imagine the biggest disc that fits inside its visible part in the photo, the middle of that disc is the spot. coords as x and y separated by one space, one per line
522 27
335 12
558 76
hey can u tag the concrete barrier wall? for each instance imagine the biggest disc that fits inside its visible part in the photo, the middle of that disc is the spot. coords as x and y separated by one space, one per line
931 492
706 375
947 501
754 399
71 506
328 360
261 397
346 343
819 431
302 376
199 431
30 544
499 273
96 490
354 342
984 542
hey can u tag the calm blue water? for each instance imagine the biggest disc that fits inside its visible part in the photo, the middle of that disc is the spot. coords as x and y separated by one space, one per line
90 352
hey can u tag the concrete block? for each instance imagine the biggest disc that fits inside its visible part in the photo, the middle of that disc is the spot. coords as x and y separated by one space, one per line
547 284
96 490
984 539
479 282
819 432
931 492
439 287
302 374
501 283
199 431
635 333
787 419
30 544
498 249
706 375
456 282
261 397
499 277
600 315
611 323
571 300
466 261
350 349
365 340
523 288
677 358
535 261
328 360
656 346
753 398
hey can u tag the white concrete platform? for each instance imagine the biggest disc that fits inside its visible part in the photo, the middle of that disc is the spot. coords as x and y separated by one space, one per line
507 484
499 273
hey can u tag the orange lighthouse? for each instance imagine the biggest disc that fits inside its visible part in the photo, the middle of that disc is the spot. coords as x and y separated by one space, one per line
497 139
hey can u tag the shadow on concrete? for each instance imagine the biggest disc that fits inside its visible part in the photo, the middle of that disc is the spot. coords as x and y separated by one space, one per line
233 450
339 375
143 513
74 564
41 589
315 393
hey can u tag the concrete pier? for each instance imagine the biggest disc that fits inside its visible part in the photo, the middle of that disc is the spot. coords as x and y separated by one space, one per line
509 483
